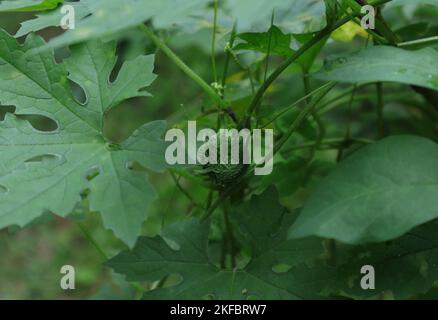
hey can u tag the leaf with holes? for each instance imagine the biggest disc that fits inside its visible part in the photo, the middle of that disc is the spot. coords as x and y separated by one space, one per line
51 18
404 268
183 249
273 41
48 171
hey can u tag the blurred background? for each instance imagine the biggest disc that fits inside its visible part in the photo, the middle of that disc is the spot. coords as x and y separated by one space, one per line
31 258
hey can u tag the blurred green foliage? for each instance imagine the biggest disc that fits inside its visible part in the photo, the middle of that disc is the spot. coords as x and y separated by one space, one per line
31 258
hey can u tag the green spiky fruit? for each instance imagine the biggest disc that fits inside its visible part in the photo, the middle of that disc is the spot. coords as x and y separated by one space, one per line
221 176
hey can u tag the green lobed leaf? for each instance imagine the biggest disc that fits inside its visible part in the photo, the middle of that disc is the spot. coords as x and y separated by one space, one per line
264 224
404 268
106 17
292 16
273 41
307 59
49 171
377 194
28 5
383 63
97 18
51 18
294 173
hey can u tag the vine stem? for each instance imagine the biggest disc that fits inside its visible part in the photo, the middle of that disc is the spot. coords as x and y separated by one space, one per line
213 41
184 191
183 66
290 107
90 239
328 142
269 47
222 197
225 72
327 105
277 72
227 58
430 40
303 114
295 125
315 116
347 138
229 235
384 32
102 253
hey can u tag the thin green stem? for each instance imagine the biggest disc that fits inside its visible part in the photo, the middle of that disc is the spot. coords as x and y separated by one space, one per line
209 199
184 191
424 41
347 138
277 72
228 57
293 105
325 108
384 33
222 197
229 235
213 42
295 125
207 113
377 37
315 116
102 253
303 114
269 48
91 240
328 142
225 71
180 64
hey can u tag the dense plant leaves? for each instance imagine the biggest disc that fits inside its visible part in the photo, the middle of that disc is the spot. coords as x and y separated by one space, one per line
404 268
51 18
106 17
377 194
28 5
264 223
417 2
292 16
294 173
307 59
333 11
273 41
47 171
348 32
383 63
287 176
